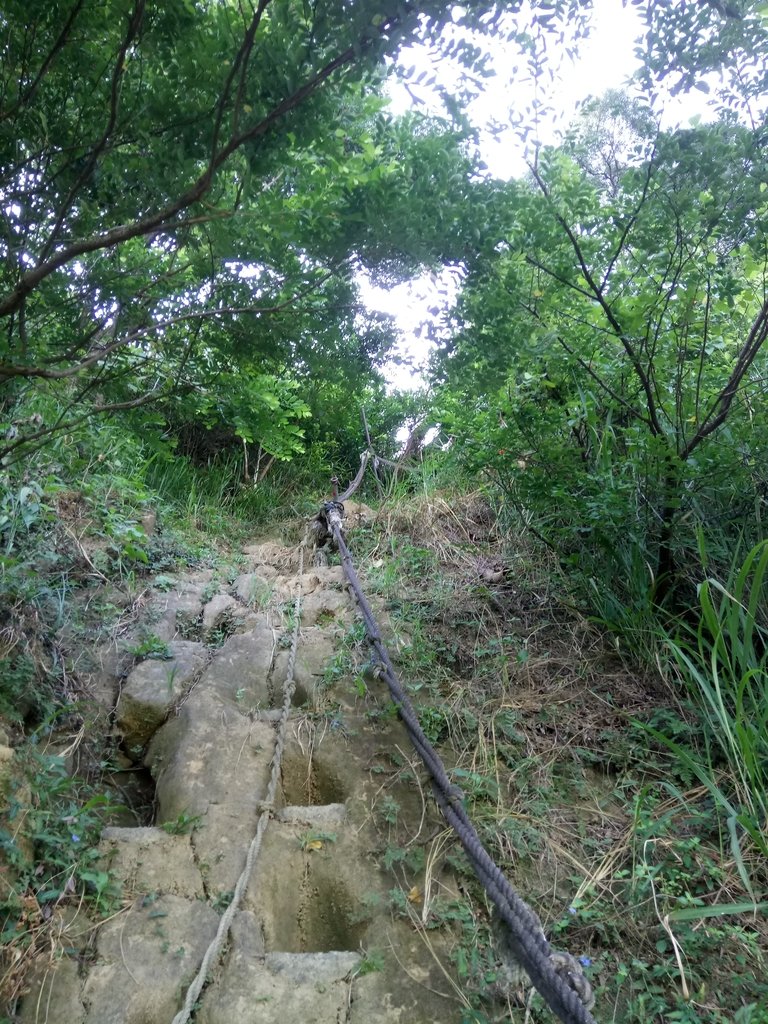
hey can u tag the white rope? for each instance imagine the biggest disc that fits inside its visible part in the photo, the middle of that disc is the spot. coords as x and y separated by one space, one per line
214 950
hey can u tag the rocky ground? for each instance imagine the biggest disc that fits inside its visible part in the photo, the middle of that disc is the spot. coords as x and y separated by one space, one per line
315 938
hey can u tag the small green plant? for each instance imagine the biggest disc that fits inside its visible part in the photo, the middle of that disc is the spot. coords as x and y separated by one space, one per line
170 679
389 809
128 539
411 857
219 636
366 907
260 593
50 835
182 825
151 647
434 721
222 900
161 582
102 888
315 840
20 690
371 962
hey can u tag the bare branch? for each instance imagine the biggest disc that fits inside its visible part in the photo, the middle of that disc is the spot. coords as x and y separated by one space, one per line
531 261
240 61
599 297
720 407
631 222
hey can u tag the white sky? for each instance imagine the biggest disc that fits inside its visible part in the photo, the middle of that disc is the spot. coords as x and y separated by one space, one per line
606 60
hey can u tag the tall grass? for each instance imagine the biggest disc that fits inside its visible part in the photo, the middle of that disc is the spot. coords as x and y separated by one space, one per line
207 495
723 663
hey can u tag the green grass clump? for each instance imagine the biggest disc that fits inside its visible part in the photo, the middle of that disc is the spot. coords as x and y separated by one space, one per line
722 662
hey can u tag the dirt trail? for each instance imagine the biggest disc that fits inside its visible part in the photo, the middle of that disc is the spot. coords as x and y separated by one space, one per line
315 939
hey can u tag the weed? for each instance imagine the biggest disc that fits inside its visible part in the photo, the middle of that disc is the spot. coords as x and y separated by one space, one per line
366 908
347 658
724 664
182 825
219 636
151 646
410 857
315 840
20 690
164 583
222 900
389 809
371 962
49 839
260 593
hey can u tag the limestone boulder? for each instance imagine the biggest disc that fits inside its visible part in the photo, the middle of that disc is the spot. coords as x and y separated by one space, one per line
312 988
325 606
255 589
239 671
146 959
218 614
315 653
358 514
149 860
153 687
176 613
212 761
321 577
54 993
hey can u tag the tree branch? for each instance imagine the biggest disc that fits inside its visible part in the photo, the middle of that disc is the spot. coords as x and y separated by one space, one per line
134 25
160 218
630 223
9 371
598 295
57 428
55 49
720 407
593 374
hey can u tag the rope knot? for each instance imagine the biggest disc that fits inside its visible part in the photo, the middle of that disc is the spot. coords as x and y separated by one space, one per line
570 970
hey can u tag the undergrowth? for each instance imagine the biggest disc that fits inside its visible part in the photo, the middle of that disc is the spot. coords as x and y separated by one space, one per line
625 803
88 527
624 799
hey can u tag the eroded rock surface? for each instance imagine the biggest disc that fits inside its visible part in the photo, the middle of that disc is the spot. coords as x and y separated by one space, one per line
206 723
154 686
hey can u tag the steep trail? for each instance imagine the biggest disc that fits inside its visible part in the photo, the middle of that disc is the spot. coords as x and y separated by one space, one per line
315 938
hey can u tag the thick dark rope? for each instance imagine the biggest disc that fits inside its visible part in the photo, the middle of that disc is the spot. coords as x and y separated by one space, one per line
527 939
358 479
364 460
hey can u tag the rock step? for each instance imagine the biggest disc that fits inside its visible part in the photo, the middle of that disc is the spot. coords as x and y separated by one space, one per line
311 987
320 936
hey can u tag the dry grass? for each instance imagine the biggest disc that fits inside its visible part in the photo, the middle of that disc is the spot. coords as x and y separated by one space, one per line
573 804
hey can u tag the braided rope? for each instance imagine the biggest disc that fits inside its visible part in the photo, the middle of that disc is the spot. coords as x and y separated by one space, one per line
525 932
265 810
358 479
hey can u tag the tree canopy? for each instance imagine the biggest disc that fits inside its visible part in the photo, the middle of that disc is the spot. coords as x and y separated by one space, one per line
187 189
190 187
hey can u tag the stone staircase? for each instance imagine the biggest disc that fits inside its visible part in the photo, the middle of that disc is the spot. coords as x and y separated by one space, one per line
316 938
